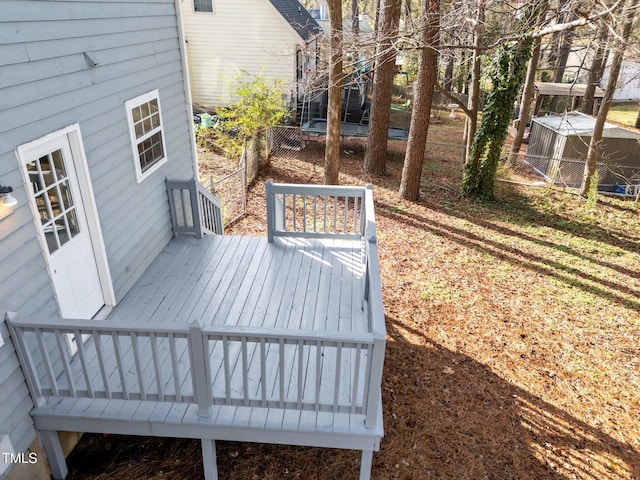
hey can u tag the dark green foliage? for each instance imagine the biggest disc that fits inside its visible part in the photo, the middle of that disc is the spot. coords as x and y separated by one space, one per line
506 71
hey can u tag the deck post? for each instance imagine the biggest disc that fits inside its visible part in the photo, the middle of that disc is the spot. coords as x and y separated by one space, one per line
55 455
24 357
271 210
195 207
365 464
172 207
209 462
200 375
375 380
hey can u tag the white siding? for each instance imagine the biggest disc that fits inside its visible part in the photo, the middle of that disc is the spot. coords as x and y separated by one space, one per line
46 85
241 35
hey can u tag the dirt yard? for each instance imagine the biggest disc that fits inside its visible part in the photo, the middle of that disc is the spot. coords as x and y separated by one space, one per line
513 338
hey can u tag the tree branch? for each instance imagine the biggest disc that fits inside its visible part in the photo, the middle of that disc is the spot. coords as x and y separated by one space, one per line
453 98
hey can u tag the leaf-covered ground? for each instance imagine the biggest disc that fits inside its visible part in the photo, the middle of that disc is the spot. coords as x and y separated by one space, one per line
513 338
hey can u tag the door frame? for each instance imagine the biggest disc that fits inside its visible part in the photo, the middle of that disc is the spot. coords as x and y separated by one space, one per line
79 159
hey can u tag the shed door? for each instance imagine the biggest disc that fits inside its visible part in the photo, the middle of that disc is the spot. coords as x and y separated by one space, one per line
62 222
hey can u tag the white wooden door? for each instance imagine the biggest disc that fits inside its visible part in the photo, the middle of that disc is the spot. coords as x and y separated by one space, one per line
62 223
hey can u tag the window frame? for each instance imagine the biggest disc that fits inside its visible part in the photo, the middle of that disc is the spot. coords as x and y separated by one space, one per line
193 4
135 141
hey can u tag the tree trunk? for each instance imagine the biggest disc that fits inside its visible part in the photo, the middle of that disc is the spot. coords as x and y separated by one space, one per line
474 91
508 71
253 159
376 151
427 74
332 150
527 97
628 14
448 72
355 18
566 42
595 72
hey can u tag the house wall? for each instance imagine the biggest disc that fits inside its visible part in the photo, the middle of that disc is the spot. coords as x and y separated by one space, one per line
243 35
628 87
47 85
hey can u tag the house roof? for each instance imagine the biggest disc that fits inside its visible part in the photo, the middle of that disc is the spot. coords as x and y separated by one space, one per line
298 17
579 124
565 89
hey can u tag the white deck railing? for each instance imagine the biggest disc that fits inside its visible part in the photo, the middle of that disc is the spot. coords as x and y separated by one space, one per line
322 211
227 365
193 208
214 365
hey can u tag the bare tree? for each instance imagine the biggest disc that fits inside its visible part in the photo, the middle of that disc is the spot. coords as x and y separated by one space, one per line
589 105
622 38
564 48
528 89
332 151
527 97
427 74
376 152
474 91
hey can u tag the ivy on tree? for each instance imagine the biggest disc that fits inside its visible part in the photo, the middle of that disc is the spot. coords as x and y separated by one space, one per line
506 71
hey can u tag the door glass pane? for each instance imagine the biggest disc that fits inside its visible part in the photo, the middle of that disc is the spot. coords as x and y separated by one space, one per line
41 203
33 169
63 233
58 163
46 170
67 198
72 222
54 200
51 236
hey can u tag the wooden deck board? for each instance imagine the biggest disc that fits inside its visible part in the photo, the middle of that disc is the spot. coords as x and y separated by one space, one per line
292 283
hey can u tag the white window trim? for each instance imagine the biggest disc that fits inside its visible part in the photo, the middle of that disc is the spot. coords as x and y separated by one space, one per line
129 106
198 12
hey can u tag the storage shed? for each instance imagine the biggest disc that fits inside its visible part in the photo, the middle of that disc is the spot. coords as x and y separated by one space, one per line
558 147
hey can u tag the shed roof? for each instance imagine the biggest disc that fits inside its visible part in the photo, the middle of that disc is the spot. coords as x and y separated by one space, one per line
565 89
576 124
298 17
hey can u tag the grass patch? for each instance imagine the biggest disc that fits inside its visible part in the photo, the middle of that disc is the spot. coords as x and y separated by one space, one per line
624 113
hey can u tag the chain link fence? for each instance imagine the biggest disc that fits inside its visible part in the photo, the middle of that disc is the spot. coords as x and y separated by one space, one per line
232 190
568 173
282 140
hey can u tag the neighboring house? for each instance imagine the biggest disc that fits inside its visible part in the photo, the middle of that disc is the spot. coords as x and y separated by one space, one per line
628 87
577 70
274 38
94 114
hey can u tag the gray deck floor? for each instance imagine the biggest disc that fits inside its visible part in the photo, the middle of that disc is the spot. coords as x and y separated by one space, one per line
224 280
247 281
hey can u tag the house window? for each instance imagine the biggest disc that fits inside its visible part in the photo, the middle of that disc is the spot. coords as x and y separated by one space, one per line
147 137
203 5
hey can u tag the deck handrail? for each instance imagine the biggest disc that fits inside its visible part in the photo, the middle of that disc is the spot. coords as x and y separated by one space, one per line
345 212
193 209
211 365
318 211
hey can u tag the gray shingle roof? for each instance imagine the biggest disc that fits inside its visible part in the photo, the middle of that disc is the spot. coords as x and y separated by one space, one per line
298 17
